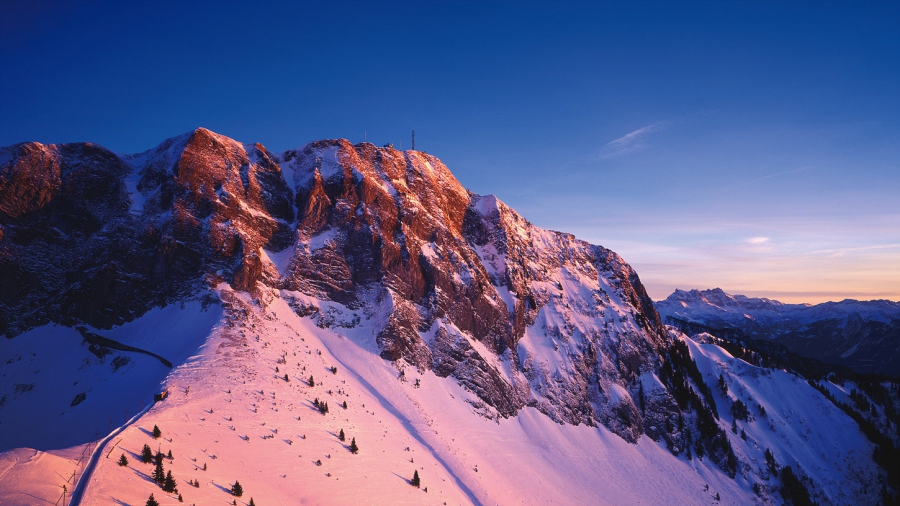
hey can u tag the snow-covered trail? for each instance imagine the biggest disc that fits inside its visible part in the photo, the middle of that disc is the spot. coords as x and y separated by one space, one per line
83 482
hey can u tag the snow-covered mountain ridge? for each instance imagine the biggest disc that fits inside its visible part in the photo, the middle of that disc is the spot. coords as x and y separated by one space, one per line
864 335
466 327
471 288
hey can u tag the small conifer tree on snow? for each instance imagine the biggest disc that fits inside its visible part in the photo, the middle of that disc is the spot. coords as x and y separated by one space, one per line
156 432
341 436
237 490
146 454
169 456
311 381
251 502
415 480
123 460
151 501
353 447
159 474
169 483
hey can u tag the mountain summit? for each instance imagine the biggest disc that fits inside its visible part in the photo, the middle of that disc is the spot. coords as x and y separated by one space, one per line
464 283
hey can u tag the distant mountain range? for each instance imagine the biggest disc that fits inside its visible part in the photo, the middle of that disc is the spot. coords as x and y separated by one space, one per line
861 335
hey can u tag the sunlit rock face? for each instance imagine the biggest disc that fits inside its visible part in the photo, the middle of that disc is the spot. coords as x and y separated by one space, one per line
461 284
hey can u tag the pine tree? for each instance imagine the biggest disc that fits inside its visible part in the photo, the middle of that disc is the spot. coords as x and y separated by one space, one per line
151 501
180 499
169 483
311 382
341 436
286 378
345 404
353 447
771 463
146 454
415 480
159 474
251 502
123 460
156 432
169 456
237 490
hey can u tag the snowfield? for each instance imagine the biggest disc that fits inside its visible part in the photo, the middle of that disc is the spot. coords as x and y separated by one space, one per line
231 414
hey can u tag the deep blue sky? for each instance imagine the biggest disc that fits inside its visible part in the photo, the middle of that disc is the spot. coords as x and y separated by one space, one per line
749 145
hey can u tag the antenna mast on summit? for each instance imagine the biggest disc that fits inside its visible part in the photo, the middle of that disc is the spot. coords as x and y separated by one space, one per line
414 140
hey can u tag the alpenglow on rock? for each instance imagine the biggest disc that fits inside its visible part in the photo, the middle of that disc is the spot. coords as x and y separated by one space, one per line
459 283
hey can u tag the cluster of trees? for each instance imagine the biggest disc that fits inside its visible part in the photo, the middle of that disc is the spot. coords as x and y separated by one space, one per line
792 489
884 391
162 477
323 406
675 373
353 448
739 410
885 455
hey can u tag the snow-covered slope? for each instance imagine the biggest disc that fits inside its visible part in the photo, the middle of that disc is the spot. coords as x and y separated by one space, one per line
796 423
503 363
863 335
230 411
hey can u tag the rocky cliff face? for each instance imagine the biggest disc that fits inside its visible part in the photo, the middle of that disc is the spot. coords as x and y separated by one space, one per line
462 284
92 237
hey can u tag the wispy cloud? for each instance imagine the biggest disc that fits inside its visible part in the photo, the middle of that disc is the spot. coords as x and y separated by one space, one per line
757 240
630 142
779 174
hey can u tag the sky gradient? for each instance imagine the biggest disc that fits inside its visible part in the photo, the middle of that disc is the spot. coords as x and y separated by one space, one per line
750 146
